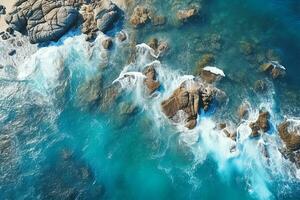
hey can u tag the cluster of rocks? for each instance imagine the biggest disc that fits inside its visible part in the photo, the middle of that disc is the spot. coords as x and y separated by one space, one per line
274 68
185 102
262 124
45 21
151 81
142 15
159 47
290 135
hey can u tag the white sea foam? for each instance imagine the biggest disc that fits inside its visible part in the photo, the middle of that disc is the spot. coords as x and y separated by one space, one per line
214 70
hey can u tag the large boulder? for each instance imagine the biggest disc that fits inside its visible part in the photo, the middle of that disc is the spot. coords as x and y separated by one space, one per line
185 14
150 80
290 136
274 68
43 20
186 101
261 124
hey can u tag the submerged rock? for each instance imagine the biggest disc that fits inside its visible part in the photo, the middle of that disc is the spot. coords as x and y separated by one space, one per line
246 48
205 60
140 16
260 86
243 111
158 20
160 47
185 14
122 36
262 123
150 80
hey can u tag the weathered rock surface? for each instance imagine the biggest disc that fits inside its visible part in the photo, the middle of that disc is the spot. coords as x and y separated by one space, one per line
274 68
260 86
205 60
150 80
48 20
160 47
262 123
140 16
107 43
243 111
186 101
185 14
290 135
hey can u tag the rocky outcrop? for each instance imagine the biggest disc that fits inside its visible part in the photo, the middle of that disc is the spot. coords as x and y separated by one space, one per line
45 21
150 81
290 135
243 110
261 124
206 59
140 16
260 86
107 43
186 101
188 13
274 68
160 47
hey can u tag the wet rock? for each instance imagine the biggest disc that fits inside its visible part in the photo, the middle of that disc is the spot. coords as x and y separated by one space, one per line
205 60
12 52
260 86
158 20
246 48
274 68
272 54
90 93
126 108
5 36
262 123
10 30
160 47
231 135
122 36
107 43
221 126
186 14
186 101
289 135
211 74
43 21
150 80
2 10
109 97
140 16
107 13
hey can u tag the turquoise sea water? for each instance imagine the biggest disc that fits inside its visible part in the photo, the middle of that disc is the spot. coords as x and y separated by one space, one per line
56 142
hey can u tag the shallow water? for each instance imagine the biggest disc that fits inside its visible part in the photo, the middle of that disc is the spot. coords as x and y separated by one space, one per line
56 143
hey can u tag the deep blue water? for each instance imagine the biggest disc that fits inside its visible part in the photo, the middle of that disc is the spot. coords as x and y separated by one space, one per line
56 141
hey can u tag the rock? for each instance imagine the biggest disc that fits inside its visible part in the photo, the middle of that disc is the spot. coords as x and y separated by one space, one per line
12 52
186 101
150 80
289 135
246 48
127 108
43 21
5 36
205 60
185 14
230 135
262 123
109 97
107 43
260 86
10 30
160 47
140 16
2 10
158 20
107 13
122 36
209 43
221 126
211 74
243 111
274 68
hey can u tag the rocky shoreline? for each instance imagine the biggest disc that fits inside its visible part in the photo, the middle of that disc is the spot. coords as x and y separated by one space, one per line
45 21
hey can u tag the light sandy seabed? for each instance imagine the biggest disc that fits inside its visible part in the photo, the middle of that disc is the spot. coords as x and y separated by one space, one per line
8 4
